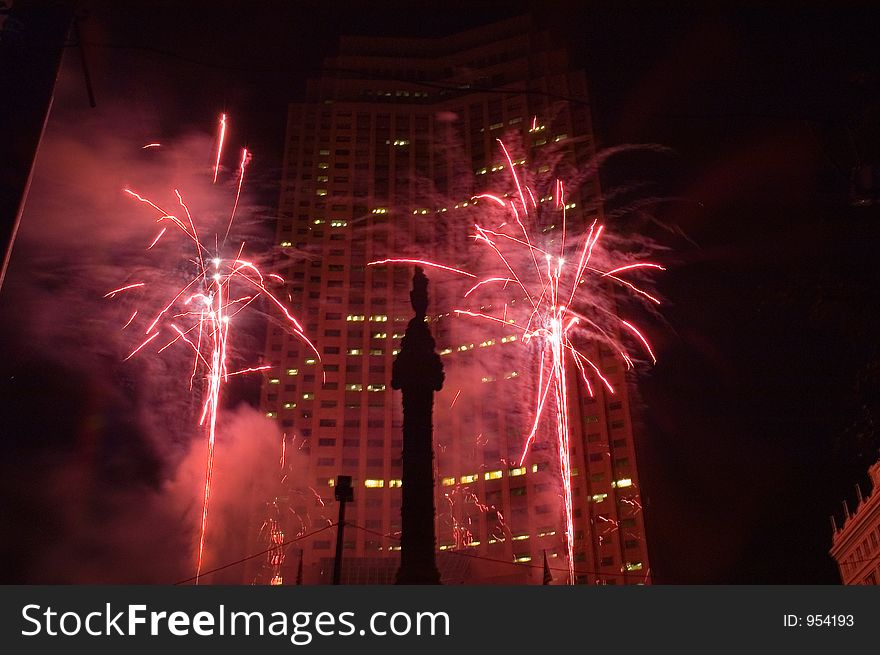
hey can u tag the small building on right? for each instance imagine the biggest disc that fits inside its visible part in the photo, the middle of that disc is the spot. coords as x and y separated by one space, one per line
856 545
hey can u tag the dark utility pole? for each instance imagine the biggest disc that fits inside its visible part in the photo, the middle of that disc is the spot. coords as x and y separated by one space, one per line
32 35
344 494
418 372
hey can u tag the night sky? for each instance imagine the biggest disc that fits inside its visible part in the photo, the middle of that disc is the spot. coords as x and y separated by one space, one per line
758 418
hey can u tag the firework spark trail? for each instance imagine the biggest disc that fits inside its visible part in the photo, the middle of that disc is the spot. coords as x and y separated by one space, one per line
458 501
206 305
553 320
244 161
220 139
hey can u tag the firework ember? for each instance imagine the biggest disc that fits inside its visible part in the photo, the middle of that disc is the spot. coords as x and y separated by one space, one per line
543 275
201 313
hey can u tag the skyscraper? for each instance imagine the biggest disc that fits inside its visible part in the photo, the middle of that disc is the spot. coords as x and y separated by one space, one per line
395 136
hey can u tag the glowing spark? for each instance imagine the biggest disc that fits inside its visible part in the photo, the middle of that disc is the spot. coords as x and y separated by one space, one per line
493 198
128 322
140 347
220 140
641 338
632 266
158 236
151 145
253 369
244 160
482 282
111 294
422 262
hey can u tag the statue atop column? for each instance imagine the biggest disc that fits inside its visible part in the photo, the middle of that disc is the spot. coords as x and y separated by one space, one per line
418 373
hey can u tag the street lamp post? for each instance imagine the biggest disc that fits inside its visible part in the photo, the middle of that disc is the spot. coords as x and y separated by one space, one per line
344 494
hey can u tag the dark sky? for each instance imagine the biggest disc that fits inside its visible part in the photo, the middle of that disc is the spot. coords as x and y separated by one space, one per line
748 442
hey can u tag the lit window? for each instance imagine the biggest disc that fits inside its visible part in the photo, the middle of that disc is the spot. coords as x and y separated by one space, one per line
289 405
323 164
374 484
633 566
318 221
376 387
271 414
380 335
274 381
395 483
598 498
520 537
380 210
523 558
354 317
311 361
354 387
448 482
466 479
292 371
379 318
521 470
338 223
377 351
321 192
355 351
492 475
286 244
622 483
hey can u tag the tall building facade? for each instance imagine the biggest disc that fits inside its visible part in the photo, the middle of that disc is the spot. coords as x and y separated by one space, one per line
394 138
856 544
